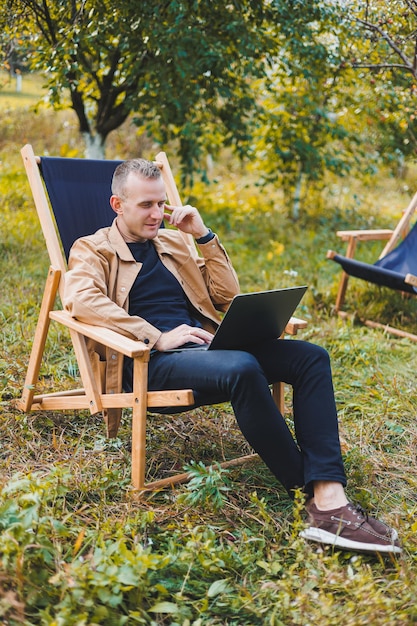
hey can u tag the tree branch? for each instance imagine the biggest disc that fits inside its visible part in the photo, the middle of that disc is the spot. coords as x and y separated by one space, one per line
412 5
415 57
390 42
383 66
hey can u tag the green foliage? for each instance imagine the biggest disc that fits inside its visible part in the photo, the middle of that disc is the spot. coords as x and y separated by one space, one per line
381 50
302 120
112 60
64 570
207 485
278 82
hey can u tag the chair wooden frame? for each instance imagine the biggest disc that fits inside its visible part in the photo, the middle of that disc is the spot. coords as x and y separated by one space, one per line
91 396
352 237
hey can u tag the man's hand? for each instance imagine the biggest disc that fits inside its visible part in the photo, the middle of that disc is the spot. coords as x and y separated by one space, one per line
180 335
186 218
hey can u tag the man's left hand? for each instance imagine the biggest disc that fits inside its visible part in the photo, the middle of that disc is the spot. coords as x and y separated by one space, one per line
187 219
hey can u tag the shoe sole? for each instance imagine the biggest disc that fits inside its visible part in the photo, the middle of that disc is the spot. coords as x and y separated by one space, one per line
323 536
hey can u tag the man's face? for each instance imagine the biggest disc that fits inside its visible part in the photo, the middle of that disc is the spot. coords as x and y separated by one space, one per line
141 209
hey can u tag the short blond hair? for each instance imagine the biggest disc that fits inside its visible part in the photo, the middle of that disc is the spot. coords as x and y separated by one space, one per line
140 167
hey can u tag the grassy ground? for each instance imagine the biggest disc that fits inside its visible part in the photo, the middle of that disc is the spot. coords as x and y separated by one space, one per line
76 546
14 96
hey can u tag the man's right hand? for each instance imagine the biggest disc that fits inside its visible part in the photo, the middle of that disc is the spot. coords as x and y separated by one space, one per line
181 335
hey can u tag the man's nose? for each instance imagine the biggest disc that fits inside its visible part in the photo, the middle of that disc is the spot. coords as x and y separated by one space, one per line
156 211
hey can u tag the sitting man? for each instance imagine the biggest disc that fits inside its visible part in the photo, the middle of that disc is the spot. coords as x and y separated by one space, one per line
146 283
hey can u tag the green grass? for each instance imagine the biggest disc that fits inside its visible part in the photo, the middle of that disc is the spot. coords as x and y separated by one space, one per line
31 90
78 548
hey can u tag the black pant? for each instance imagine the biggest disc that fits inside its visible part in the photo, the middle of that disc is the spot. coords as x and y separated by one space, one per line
243 378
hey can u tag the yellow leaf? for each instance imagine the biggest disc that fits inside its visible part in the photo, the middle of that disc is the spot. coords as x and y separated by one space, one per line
79 541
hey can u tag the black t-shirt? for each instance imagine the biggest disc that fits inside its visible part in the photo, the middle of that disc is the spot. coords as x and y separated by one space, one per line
156 294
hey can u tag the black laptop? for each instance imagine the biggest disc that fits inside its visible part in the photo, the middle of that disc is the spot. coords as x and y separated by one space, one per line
253 318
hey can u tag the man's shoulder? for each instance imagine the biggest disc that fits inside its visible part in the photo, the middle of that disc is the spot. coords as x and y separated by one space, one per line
171 237
100 236
106 241
172 242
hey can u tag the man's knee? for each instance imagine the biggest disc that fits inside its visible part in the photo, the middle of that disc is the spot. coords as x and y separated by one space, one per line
317 360
242 365
306 360
319 353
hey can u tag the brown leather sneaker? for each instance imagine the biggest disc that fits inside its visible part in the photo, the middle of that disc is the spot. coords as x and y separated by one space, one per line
350 528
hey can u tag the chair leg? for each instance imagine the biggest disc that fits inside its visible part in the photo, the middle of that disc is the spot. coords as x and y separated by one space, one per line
41 333
139 409
340 298
278 390
91 387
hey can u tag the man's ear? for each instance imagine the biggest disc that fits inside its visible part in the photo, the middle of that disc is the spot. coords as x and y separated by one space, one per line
116 204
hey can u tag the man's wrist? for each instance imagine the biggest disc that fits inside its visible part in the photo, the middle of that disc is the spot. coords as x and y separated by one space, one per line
205 238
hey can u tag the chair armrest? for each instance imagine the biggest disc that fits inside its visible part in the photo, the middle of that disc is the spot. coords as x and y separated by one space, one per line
410 279
129 347
364 235
294 325
353 236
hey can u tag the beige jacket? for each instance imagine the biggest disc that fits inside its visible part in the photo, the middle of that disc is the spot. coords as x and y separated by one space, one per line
102 271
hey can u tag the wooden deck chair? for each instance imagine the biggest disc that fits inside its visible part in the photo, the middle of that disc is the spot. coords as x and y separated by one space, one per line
79 192
396 267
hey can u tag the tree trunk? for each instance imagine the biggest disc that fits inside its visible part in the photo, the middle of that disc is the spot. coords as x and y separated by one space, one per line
94 146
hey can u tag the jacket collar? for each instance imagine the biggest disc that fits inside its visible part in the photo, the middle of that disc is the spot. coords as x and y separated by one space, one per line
118 243
161 246
122 249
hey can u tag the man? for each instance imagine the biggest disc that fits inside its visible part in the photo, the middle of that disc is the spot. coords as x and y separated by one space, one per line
146 283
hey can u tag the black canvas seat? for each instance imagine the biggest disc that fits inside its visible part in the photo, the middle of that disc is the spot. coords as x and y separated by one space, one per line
79 193
390 271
